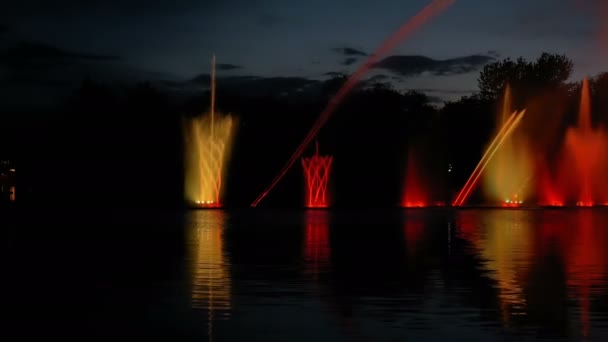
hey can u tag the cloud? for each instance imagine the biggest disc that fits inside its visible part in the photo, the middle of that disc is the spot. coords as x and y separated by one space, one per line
493 53
378 79
346 51
253 86
226 66
30 55
349 61
334 74
416 65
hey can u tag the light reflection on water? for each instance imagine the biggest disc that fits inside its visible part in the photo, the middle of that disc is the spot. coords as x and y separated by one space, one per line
211 283
475 274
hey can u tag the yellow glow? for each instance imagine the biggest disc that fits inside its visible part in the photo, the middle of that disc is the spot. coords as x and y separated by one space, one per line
506 176
206 156
211 290
208 140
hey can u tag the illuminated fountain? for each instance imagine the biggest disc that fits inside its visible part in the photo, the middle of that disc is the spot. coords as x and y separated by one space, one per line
503 134
582 171
316 173
506 179
407 29
207 146
414 194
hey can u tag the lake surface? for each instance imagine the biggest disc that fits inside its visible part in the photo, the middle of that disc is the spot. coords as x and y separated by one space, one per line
437 274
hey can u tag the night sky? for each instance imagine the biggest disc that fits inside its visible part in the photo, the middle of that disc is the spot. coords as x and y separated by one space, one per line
48 47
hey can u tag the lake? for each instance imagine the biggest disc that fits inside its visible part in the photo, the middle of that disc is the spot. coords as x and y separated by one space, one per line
374 275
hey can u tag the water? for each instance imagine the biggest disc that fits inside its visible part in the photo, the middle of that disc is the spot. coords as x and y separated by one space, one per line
435 274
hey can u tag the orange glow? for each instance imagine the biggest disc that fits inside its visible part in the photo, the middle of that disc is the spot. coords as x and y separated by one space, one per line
414 192
506 176
207 144
12 195
316 242
316 174
504 133
406 30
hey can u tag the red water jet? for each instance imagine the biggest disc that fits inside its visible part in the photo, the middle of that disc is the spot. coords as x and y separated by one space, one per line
414 194
316 174
583 165
546 187
404 31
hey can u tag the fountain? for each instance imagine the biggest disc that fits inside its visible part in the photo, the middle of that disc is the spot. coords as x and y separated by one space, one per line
316 173
582 168
507 176
496 145
414 194
407 29
207 145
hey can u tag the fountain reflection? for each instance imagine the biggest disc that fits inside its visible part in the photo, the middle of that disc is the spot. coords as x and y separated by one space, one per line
504 240
413 231
316 242
580 241
211 284
566 246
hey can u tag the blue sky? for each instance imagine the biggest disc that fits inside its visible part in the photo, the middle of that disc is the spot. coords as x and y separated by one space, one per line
175 39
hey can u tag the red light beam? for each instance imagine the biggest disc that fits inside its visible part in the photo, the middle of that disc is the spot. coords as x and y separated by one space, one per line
427 13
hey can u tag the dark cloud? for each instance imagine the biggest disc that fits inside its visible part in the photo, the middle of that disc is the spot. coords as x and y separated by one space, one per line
447 91
349 61
35 74
493 53
107 6
226 66
334 74
378 78
416 65
346 51
30 55
251 85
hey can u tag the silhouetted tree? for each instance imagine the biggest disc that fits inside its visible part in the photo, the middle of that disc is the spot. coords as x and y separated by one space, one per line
527 78
599 92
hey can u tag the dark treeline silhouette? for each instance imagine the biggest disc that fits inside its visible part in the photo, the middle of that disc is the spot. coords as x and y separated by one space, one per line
110 146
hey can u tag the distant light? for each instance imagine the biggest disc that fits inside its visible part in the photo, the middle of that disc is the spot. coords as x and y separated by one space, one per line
12 170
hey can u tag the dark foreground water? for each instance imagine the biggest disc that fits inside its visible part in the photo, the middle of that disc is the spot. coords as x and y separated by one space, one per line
314 275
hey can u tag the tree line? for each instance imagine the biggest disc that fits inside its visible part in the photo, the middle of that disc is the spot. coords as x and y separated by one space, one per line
123 147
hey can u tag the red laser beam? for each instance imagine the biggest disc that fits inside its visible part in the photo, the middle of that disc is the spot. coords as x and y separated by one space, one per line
427 13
